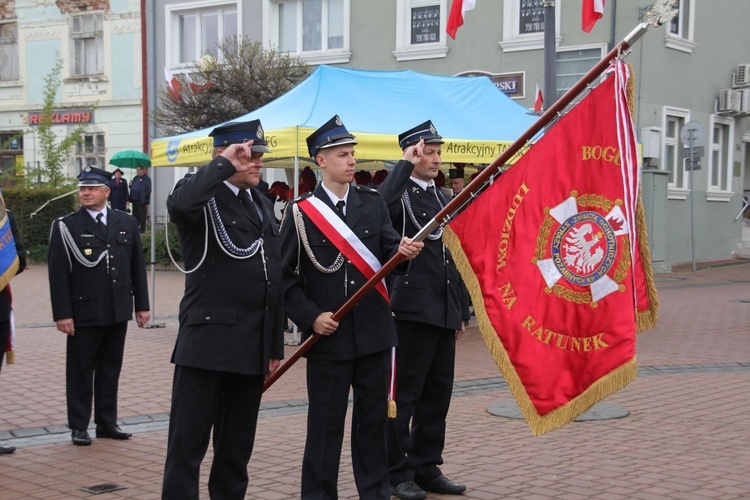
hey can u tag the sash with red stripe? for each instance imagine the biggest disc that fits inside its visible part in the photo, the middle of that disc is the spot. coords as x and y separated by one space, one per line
344 239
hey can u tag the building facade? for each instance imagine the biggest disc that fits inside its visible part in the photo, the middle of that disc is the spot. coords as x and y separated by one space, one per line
695 69
99 45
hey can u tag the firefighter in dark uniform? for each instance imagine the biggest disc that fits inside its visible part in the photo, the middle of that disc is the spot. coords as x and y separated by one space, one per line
431 309
96 274
231 332
354 352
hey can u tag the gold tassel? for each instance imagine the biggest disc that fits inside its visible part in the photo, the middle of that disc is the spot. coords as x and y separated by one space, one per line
10 357
392 412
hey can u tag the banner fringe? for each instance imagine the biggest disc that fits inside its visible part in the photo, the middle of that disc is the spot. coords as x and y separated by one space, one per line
539 424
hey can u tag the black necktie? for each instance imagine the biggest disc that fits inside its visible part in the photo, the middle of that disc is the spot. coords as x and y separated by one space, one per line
340 209
431 191
249 206
100 224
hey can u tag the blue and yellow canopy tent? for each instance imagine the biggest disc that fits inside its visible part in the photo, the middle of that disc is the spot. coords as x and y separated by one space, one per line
476 119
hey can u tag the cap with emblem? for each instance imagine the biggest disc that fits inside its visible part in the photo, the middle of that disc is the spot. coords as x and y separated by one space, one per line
239 132
332 133
456 173
424 131
94 176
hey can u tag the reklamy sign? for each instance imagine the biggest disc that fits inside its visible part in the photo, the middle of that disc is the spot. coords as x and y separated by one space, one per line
63 117
511 84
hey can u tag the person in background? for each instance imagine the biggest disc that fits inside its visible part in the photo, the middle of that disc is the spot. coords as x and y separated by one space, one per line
431 309
456 176
96 274
6 304
118 192
140 197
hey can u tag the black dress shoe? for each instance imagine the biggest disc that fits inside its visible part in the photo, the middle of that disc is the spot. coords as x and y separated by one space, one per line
112 432
6 450
442 484
80 437
408 490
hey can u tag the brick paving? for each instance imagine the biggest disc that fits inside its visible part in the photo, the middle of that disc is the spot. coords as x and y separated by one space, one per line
687 434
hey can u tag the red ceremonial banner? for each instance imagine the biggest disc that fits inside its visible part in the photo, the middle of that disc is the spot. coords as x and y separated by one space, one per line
555 258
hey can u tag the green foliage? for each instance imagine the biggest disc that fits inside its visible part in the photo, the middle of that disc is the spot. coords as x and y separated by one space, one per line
246 77
161 256
54 153
34 230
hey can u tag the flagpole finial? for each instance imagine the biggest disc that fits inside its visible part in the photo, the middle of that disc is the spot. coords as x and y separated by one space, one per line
662 12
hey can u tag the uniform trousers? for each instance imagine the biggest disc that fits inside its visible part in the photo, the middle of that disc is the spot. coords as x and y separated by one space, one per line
328 385
425 359
93 364
202 399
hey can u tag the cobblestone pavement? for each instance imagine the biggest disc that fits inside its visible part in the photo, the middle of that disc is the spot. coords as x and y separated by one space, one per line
686 436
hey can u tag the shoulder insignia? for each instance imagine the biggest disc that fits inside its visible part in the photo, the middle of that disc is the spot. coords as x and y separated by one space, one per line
66 216
301 197
365 189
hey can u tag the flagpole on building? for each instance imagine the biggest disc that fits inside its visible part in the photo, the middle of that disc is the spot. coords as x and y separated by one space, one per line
550 54
476 185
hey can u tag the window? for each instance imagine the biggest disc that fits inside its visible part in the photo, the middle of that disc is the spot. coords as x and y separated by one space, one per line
672 158
91 151
573 63
523 25
316 30
679 32
9 52
720 158
88 45
194 32
420 29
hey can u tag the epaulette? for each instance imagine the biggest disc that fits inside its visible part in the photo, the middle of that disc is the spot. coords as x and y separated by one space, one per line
121 211
65 216
366 189
301 197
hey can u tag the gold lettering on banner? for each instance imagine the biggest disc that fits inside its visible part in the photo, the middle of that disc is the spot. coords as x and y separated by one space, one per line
502 250
508 295
608 154
564 342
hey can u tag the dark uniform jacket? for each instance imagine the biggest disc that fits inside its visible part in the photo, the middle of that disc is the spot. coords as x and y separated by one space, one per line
21 251
103 294
429 290
118 195
366 329
231 317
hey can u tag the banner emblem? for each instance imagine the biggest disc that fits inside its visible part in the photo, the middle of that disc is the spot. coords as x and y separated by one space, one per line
172 150
586 237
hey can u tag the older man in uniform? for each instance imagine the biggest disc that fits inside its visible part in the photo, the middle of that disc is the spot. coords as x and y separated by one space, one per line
431 308
320 273
231 331
456 176
96 273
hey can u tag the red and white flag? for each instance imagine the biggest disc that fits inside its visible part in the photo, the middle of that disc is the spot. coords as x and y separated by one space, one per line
538 100
592 11
173 84
555 258
459 8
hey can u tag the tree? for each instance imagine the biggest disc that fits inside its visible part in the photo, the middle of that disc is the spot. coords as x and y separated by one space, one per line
54 154
236 77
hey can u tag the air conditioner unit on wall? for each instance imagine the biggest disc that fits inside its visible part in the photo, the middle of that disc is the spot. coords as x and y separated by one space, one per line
742 77
729 100
745 101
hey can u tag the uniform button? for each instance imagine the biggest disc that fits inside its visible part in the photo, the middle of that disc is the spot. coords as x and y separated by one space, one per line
114 281
424 214
234 222
208 317
351 282
324 240
449 282
113 268
107 246
367 231
406 282
348 262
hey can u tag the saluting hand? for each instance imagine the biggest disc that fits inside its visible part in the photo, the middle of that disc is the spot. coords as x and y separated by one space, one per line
409 248
240 155
414 153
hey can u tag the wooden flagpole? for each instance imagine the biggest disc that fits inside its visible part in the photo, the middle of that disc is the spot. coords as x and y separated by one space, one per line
470 189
